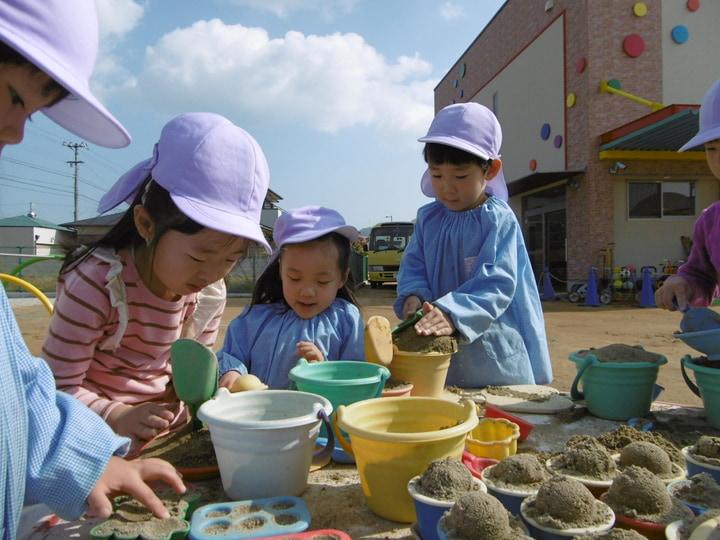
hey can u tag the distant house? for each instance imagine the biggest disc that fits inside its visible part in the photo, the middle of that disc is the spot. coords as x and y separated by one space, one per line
90 230
30 235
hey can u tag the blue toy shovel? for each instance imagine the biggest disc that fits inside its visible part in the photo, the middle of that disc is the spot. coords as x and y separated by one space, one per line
697 319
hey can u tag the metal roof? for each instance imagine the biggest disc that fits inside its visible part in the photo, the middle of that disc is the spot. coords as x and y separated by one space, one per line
538 180
664 130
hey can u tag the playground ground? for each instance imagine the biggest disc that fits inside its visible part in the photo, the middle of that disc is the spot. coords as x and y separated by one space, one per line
570 327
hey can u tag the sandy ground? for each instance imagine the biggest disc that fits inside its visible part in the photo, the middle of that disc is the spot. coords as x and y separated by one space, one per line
334 494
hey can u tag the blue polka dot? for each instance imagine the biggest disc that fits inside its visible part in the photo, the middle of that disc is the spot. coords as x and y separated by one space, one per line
545 132
455 83
460 93
680 34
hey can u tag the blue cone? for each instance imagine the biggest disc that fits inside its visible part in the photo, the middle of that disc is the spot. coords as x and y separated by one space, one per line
647 295
591 297
548 292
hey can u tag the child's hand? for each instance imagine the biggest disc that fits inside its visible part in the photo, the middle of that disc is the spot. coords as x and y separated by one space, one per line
411 305
142 422
675 287
129 477
309 351
228 379
435 322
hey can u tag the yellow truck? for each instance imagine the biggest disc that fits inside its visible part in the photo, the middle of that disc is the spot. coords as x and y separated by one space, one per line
385 248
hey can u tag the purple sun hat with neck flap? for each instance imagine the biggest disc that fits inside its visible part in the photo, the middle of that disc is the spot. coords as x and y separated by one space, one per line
216 174
709 119
470 127
60 37
309 223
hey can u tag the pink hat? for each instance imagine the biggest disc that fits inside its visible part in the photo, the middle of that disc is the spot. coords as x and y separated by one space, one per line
470 127
308 223
215 172
709 119
60 37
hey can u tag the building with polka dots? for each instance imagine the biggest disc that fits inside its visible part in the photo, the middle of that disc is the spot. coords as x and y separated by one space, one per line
595 97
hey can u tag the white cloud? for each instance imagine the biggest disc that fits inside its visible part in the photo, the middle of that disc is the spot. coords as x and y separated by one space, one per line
450 11
117 17
282 8
327 83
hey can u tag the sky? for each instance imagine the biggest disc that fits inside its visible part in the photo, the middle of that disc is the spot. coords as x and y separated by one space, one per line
336 92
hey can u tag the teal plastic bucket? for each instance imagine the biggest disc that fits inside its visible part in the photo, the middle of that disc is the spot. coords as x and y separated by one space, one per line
342 382
707 388
616 390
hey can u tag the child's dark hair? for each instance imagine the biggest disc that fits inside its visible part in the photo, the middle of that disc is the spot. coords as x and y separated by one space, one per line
10 56
124 234
268 287
440 154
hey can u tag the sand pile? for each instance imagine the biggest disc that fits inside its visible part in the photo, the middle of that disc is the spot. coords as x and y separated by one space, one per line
639 494
479 516
588 459
615 534
522 472
702 490
445 479
409 341
648 456
707 450
617 352
703 527
565 503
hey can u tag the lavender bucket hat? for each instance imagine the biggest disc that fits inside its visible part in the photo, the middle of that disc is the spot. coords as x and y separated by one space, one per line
216 174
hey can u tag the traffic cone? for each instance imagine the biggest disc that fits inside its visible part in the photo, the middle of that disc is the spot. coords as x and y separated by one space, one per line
548 292
647 295
591 296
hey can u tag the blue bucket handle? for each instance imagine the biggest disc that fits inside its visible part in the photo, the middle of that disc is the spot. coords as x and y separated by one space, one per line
320 457
576 394
691 385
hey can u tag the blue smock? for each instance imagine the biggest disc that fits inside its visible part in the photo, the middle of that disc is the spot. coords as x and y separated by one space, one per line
474 266
53 449
263 340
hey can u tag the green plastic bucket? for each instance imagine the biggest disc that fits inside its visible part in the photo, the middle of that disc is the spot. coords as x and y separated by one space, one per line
616 390
707 388
342 382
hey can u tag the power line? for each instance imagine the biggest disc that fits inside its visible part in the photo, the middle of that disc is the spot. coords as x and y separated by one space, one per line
76 162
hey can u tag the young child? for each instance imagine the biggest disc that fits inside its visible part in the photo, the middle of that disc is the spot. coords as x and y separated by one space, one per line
53 449
696 282
157 275
466 264
302 304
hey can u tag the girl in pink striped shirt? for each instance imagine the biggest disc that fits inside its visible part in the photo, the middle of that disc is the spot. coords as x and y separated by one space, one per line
157 275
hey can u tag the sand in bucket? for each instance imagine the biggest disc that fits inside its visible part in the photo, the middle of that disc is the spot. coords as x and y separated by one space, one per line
422 360
394 439
264 439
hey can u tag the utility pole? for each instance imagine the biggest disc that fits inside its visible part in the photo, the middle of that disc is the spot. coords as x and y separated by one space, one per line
75 163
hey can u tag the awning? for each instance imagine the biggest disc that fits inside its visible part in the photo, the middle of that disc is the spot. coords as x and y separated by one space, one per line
665 130
538 180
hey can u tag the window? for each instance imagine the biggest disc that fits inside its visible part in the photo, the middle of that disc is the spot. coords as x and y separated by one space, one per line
656 200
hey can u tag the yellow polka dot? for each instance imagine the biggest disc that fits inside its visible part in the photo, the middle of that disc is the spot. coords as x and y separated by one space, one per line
640 9
571 100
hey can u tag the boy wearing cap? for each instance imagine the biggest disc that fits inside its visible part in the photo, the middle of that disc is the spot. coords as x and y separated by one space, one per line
158 274
696 282
466 264
302 305
53 449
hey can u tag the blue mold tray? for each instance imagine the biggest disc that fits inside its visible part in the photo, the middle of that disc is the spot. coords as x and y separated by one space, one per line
253 518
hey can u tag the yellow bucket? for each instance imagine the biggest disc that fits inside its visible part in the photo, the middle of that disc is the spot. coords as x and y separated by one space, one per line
494 438
427 371
394 439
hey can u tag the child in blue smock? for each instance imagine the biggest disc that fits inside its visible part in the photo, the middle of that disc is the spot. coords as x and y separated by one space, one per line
466 264
53 449
302 304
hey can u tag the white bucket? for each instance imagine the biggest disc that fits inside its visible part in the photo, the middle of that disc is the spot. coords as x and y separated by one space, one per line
265 440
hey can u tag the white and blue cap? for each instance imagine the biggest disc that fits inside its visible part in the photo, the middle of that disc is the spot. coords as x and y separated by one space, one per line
60 37
470 127
216 174
309 223
709 119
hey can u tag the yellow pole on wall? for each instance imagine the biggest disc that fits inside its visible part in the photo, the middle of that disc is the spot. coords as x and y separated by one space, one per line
605 87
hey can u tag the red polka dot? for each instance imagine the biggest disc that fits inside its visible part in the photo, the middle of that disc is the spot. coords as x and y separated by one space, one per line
581 65
533 164
634 45
693 5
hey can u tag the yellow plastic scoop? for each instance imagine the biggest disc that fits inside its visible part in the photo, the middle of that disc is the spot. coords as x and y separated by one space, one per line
378 341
